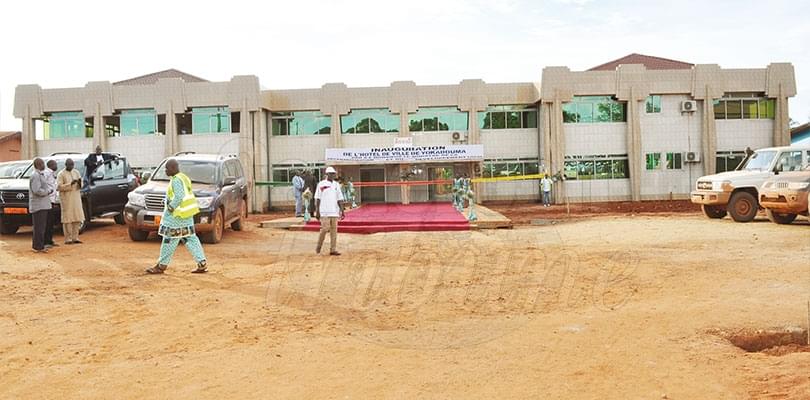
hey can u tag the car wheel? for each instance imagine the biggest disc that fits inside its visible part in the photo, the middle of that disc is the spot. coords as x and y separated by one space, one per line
239 224
119 219
714 212
138 235
8 229
780 218
215 236
743 207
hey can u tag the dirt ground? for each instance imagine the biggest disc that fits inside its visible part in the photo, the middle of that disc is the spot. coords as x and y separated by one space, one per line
523 213
608 307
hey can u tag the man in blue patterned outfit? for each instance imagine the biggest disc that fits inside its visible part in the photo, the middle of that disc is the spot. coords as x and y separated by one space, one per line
177 224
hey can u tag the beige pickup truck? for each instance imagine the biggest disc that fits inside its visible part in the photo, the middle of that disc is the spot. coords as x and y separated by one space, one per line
737 192
786 195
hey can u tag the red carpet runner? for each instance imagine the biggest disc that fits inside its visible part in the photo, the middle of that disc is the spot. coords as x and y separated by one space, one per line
373 218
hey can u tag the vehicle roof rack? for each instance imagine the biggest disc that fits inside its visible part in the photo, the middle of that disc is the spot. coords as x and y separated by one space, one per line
182 153
62 153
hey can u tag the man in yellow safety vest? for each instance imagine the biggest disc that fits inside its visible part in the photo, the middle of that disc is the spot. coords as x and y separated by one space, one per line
177 224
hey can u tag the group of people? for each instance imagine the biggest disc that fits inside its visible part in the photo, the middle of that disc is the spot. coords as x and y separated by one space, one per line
461 191
304 182
52 194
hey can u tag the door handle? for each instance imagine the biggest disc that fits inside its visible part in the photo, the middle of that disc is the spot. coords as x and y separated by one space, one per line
123 186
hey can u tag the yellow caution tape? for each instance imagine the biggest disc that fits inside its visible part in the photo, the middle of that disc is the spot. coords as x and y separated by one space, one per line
509 178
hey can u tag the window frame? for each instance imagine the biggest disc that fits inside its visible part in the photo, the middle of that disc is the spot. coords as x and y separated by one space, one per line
650 104
222 113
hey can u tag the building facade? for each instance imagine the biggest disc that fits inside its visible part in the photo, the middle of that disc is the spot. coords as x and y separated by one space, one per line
10 143
637 128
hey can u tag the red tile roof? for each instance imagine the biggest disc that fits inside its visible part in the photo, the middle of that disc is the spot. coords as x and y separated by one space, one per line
648 61
151 79
5 136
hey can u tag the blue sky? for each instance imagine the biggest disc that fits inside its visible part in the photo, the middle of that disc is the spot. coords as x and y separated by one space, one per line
304 44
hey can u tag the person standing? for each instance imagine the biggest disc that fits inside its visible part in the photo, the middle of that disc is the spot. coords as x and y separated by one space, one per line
50 177
545 184
298 190
310 183
328 209
69 184
177 224
39 204
93 161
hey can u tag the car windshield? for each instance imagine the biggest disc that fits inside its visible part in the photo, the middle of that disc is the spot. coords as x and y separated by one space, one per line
758 161
204 172
60 165
13 169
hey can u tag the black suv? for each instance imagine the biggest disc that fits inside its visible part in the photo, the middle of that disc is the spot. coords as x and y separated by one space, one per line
219 184
104 196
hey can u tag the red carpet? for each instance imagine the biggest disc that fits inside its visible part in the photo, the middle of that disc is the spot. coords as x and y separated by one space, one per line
373 218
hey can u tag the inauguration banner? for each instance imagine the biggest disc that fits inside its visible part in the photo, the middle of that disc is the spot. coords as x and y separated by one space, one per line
405 155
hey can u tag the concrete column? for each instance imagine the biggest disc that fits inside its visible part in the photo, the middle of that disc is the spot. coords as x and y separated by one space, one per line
99 133
544 145
404 127
405 190
170 137
337 136
474 137
259 196
781 120
28 144
557 144
633 138
245 149
708 137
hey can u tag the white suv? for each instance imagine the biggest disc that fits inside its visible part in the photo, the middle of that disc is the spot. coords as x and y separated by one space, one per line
737 192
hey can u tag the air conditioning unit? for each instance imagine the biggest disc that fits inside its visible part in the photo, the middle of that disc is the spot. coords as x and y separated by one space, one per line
688 106
692 157
458 137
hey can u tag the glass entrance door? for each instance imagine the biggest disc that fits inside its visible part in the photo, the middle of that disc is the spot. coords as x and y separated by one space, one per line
372 194
440 192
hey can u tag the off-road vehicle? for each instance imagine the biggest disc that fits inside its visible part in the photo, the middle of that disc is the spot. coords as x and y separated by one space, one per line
218 182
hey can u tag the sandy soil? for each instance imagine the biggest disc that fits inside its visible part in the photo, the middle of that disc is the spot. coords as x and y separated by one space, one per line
611 307
523 213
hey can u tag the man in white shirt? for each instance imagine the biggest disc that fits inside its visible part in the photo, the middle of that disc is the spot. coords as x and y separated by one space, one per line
50 179
328 209
546 183
298 190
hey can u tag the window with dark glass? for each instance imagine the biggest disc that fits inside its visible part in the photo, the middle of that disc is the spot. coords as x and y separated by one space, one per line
66 125
744 106
508 117
653 161
674 160
510 167
300 123
210 120
588 109
138 122
430 119
369 121
283 173
599 166
728 160
653 104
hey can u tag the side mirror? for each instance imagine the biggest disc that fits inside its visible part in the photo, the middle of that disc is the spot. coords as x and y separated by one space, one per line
145 177
777 169
97 176
230 181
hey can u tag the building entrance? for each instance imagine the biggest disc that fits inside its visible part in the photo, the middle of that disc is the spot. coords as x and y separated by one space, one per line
440 192
372 194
